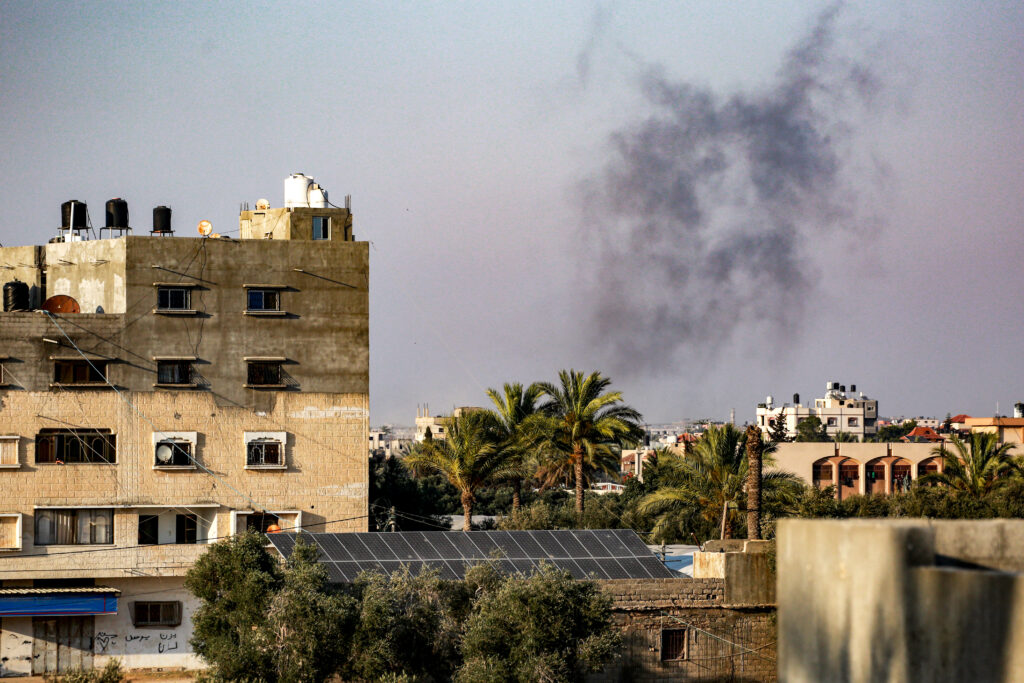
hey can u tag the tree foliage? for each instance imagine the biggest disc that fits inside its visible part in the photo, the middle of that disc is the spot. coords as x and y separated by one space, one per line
811 429
586 427
547 627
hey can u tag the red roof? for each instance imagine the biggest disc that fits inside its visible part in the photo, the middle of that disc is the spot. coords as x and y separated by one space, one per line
687 437
926 433
958 419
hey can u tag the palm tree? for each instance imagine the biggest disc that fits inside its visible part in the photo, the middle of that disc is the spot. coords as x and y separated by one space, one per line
515 407
586 425
711 479
976 467
467 456
844 437
755 458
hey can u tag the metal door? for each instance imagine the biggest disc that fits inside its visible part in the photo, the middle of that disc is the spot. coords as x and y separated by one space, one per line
61 644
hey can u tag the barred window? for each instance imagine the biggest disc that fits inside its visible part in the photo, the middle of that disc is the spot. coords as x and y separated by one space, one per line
673 644
264 373
174 372
156 613
80 372
173 298
75 446
264 453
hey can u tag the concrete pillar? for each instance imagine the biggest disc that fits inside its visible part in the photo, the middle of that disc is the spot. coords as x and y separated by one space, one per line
888 477
862 469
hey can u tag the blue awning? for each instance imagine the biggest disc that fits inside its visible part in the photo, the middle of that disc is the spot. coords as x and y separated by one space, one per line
31 602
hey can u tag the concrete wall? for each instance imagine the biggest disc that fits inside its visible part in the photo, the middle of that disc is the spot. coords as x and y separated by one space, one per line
322 331
325 478
115 636
872 600
723 643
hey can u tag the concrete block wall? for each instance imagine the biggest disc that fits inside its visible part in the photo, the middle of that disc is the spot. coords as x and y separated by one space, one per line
326 475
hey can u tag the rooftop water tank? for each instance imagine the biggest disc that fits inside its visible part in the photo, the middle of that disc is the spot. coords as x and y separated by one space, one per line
162 220
117 213
72 215
15 296
300 191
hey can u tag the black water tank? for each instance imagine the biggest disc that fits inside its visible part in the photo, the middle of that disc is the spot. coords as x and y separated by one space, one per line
117 213
162 219
796 399
72 215
15 296
842 388
853 388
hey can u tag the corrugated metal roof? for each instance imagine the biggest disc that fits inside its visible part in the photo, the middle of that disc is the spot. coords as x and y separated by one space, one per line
55 591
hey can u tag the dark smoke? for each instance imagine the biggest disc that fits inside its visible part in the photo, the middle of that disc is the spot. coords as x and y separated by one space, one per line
705 221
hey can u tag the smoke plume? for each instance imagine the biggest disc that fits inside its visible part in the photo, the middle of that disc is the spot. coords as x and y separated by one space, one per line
706 218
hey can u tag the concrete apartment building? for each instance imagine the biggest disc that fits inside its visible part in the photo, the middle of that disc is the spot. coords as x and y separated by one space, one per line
839 411
160 393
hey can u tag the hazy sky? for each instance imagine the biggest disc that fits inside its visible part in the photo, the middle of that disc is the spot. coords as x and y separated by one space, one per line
708 201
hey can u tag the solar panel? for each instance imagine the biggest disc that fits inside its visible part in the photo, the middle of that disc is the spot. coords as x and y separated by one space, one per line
377 545
603 553
332 546
399 546
423 547
550 544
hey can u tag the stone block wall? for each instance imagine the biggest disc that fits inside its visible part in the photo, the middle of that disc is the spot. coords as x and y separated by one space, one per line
719 643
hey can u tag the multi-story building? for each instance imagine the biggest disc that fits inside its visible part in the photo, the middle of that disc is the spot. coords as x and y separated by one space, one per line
160 393
839 411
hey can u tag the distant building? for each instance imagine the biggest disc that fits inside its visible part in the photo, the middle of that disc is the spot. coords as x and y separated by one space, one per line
437 424
839 411
160 393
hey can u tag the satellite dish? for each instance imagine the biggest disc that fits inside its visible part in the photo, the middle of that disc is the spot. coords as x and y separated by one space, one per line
61 303
262 204
164 453
205 228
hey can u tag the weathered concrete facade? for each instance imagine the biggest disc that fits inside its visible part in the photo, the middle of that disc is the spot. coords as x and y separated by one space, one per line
206 386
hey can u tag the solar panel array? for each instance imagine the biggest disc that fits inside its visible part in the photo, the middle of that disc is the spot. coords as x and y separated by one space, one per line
597 554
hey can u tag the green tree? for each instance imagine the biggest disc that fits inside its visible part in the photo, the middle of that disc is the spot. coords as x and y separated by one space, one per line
585 428
890 433
467 456
547 627
407 628
409 503
710 481
235 581
777 431
811 429
515 407
844 437
974 467
308 627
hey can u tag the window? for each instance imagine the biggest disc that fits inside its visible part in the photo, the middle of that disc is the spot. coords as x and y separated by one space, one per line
185 529
264 373
822 472
149 529
263 300
261 521
10 531
263 454
876 472
80 371
173 298
869 422
849 474
9 450
833 422
852 422
174 372
321 228
76 446
173 453
75 527
156 613
673 644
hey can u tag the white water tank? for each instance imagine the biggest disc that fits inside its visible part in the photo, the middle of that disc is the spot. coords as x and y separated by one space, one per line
299 192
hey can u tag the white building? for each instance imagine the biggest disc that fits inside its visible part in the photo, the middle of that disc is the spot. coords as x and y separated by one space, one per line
839 411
